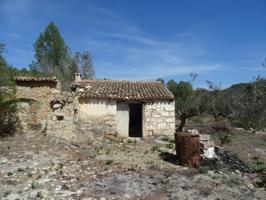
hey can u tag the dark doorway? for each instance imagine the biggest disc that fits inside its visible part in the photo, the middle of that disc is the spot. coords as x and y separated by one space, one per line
135 120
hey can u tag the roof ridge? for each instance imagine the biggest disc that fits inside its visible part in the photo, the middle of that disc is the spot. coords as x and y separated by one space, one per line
130 81
32 78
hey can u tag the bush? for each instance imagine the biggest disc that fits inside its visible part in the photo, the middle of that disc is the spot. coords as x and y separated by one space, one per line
223 137
8 112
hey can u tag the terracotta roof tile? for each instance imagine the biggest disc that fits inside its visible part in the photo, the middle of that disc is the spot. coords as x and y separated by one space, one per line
122 90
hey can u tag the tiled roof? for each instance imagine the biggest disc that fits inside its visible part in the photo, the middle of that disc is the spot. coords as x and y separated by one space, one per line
122 90
35 79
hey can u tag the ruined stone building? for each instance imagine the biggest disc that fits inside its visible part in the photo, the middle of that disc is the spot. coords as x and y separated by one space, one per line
35 95
128 108
96 108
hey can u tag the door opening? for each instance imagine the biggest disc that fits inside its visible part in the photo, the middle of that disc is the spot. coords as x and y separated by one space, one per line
135 120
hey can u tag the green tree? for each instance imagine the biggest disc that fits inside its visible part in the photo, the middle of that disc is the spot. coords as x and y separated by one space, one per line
50 50
217 103
172 86
2 58
248 104
52 56
187 102
8 102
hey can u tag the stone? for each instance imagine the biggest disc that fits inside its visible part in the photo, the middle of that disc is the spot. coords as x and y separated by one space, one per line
110 123
70 99
12 197
59 114
55 91
57 106
250 186
54 118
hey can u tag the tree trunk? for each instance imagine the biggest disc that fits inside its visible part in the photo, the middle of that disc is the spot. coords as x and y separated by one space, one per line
183 118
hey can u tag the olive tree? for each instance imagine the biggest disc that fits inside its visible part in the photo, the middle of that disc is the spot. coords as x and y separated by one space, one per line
186 101
217 104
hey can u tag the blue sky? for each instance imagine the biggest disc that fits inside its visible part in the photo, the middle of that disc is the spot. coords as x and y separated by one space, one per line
222 41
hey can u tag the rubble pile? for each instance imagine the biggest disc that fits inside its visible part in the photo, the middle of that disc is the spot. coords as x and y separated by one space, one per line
233 162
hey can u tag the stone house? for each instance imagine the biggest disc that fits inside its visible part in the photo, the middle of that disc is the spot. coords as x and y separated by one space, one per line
125 108
35 95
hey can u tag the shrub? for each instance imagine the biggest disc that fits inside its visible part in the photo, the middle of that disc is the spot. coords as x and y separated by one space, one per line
65 187
170 146
33 185
109 162
223 137
8 112
39 195
258 165
9 173
155 147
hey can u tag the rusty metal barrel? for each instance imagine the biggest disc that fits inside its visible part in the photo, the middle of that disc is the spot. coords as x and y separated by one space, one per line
188 149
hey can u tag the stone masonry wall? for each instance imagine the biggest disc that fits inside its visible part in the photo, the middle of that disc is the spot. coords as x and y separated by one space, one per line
79 119
98 116
34 105
159 118
60 121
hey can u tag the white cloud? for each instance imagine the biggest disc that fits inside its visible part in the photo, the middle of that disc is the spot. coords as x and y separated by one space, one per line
154 72
121 49
133 55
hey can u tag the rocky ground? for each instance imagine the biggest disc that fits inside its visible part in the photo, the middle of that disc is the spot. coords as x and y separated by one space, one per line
35 166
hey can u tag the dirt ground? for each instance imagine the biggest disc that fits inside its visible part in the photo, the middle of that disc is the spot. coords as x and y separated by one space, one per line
35 166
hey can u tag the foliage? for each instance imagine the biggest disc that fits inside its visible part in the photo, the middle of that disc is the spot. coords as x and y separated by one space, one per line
258 165
169 146
50 50
84 64
8 106
247 102
172 86
155 147
223 137
218 104
52 56
2 58
243 103
187 101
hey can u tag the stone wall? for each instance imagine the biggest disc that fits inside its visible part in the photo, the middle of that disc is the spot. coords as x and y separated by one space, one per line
44 107
34 99
159 118
60 121
95 113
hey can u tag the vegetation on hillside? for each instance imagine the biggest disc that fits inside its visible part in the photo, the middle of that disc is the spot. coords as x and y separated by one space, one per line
243 104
